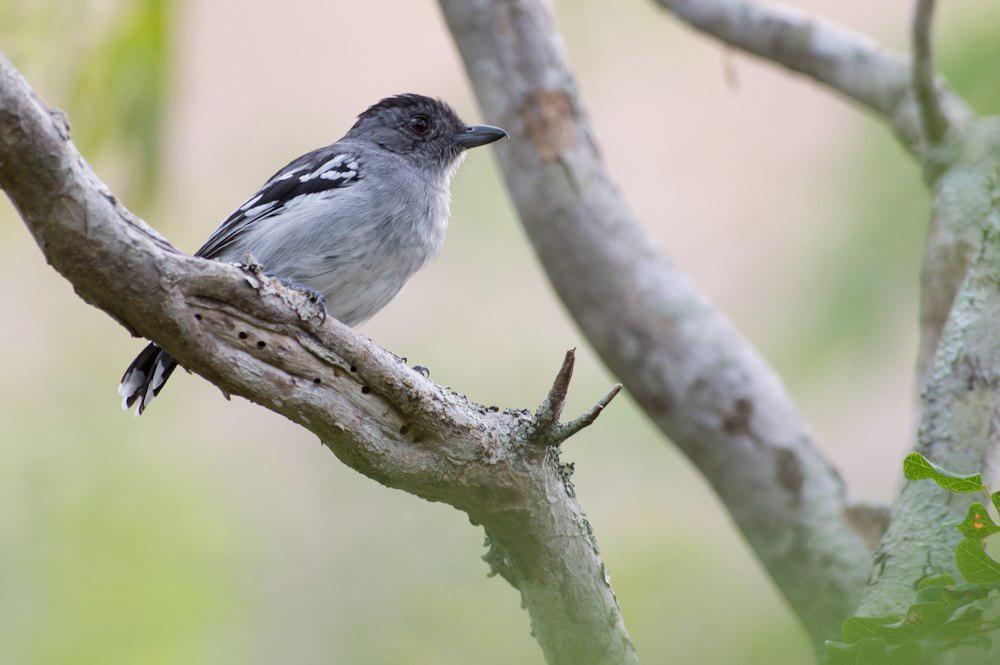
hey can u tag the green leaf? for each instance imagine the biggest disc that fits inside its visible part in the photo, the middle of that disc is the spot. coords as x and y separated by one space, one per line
904 654
966 593
990 608
928 617
857 629
979 642
995 498
933 594
934 588
918 467
978 523
966 621
865 652
975 564
935 580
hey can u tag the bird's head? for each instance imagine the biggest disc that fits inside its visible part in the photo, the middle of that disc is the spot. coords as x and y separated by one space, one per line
426 131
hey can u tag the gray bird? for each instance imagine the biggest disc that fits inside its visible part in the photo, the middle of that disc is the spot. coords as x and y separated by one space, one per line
348 223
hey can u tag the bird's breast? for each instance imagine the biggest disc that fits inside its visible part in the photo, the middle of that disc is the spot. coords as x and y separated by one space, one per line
364 270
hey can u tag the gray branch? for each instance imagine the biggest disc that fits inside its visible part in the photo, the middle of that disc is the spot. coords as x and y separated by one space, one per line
847 62
892 87
963 172
960 428
932 117
959 421
695 376
252 337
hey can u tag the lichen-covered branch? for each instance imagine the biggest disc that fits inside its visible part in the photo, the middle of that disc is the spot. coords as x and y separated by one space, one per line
963 171
847 62
960 428
252 337
694 375
924 81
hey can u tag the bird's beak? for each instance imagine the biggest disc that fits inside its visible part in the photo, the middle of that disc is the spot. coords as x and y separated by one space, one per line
478 135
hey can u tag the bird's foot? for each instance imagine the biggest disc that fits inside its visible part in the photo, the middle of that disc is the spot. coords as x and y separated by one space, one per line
314 296
419 369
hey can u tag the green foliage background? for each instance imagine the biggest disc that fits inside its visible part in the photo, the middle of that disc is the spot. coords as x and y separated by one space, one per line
126 542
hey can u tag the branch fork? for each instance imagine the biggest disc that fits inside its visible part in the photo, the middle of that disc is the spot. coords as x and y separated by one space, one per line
546 428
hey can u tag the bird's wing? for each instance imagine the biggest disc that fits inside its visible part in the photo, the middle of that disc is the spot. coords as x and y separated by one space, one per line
319 171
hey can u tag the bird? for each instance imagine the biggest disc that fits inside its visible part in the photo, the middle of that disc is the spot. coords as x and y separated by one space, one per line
348 223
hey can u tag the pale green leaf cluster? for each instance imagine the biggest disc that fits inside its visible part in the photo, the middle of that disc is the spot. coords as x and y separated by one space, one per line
948 618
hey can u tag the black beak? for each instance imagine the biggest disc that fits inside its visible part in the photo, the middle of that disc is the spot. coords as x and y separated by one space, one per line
478 135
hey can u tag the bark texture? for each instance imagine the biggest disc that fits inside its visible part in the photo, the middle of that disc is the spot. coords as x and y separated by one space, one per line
958 365
960 155
960 428
961 171
695 376
252 337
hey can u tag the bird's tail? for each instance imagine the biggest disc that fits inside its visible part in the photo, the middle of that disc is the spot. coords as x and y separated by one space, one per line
144 378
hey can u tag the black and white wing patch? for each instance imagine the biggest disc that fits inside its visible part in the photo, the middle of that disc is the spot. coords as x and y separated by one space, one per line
318 171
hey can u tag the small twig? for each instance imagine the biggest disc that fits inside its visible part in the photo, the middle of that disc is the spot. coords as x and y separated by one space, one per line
934 122
586 419
551 407
547 430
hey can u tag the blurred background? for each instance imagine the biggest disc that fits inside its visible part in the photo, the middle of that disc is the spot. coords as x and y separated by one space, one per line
216 532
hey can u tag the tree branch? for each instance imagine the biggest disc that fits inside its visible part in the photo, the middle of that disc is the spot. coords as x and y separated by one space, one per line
702 383
847 62
252 337
548 430
960 428
964 176
964 172
931 116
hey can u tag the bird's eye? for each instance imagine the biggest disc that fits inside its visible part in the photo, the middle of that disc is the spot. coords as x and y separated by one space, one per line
420 124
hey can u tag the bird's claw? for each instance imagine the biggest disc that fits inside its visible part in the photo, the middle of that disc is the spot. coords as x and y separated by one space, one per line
314 296
422 371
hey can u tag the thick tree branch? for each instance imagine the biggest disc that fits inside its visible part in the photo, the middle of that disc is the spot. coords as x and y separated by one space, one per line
252 337
963 172
852 64
903 93
960 428
924 83
701 382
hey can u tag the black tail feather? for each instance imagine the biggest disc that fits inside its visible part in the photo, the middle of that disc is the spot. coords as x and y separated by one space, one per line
145 377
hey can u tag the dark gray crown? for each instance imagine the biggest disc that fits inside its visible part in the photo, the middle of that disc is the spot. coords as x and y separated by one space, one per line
406 105
392 124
